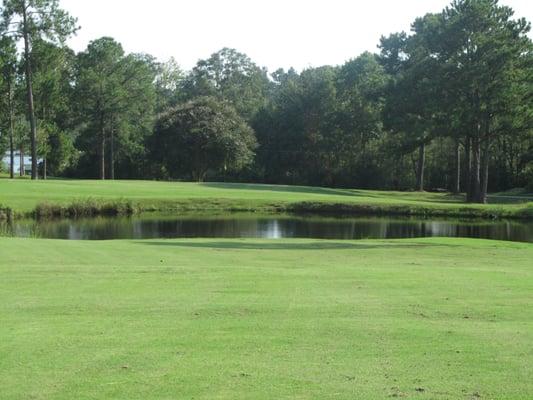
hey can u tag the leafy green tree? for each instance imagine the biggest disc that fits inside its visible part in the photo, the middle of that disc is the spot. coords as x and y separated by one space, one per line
168 84
8 65
486 49
231 76
202 135
29 21
133 121
116 99
413 107
53 76
461 74
297 132
323 126
98 92
21 139
361 89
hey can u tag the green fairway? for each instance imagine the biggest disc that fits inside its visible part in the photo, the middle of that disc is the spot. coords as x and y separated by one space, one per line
250 319
25 195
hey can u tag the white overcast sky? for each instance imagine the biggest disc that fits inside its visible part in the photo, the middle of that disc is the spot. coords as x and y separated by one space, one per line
274 33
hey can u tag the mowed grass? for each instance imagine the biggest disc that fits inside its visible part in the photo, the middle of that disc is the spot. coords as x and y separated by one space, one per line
24 195
258 319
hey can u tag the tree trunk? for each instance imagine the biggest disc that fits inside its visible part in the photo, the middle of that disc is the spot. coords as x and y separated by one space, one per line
468 166
420 167
11 136
11 157
414 165
198 176
22 172
457 182
44 168
476 169
29 88
112 153
484 172
102 153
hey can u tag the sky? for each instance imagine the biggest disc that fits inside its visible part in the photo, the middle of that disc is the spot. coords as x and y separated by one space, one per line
274 33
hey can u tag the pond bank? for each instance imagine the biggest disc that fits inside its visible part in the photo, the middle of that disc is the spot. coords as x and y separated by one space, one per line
99 207
74 199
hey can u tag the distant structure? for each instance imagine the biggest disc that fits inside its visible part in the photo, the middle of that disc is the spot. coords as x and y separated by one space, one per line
6 160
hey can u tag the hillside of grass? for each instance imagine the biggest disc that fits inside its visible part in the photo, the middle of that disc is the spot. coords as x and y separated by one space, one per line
258 319
56 196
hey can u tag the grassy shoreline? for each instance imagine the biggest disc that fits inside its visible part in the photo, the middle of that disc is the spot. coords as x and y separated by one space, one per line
73 199
235 319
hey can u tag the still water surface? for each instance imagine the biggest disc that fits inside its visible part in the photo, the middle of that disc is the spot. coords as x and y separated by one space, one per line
269 226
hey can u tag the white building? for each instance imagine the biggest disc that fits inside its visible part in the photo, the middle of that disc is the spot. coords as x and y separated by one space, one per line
6 160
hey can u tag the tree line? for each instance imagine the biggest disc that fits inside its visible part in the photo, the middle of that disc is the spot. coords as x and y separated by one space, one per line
448 106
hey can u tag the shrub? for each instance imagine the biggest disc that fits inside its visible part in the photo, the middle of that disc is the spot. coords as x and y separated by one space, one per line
6 213
86 208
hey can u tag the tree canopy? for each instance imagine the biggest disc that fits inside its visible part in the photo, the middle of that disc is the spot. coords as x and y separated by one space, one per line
448 105
31 21
201 135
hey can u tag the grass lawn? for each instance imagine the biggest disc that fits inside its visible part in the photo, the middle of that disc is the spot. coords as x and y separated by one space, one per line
24 195
252 319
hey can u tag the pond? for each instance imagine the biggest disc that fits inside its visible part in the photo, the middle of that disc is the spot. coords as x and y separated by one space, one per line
265 226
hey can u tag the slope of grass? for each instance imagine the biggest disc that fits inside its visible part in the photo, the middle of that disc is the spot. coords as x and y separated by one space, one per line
60 197
251 319
25 195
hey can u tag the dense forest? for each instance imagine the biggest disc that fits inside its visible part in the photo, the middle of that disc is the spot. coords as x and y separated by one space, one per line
446 106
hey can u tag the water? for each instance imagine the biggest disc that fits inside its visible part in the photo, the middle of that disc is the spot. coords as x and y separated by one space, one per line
269 226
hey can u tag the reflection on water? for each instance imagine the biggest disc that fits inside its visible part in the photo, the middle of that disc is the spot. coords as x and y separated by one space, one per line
270 226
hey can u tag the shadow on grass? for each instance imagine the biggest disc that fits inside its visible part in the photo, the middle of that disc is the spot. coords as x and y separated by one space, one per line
287 245
426 197
518 200
283 189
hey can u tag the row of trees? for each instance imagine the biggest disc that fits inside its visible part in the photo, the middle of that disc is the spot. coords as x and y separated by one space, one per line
445 106
466 74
